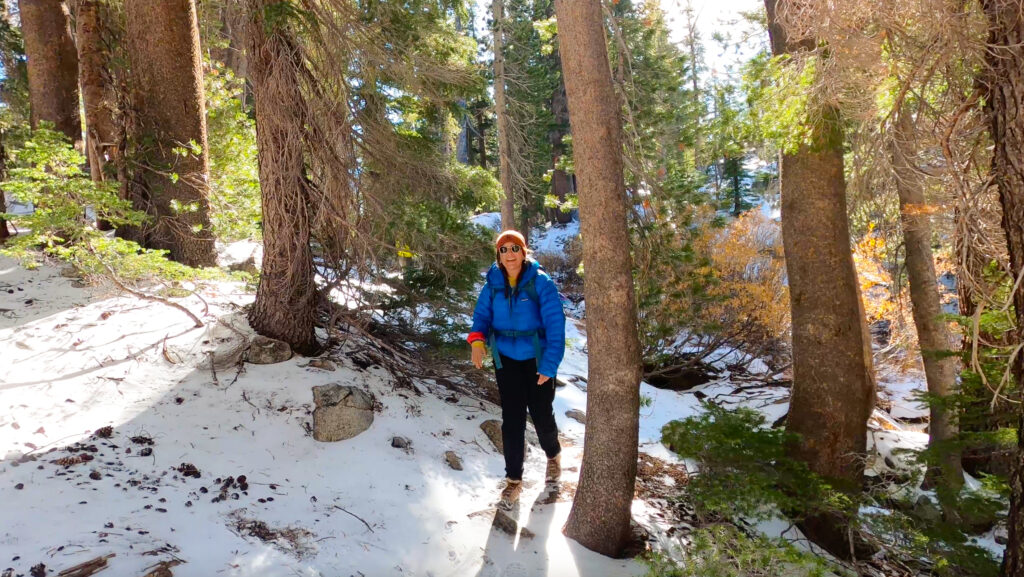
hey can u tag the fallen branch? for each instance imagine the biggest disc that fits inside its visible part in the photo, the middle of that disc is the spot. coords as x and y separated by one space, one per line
163 568
88 568
148 297
354 515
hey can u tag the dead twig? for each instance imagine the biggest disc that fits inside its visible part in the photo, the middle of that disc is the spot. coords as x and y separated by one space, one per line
213 369
238 373
354 515
245 397
167 357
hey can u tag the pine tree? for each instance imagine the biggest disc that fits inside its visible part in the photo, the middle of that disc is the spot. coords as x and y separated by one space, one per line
286 298
168 134
600 514
1004 76
52 66
833 378
94 61
501 111
939 366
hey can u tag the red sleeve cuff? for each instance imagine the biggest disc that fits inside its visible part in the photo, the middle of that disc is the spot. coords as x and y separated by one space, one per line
473 337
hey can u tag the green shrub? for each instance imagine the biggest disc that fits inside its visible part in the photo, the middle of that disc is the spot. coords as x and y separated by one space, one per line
744 472
736 449
235 212
724 551
46 171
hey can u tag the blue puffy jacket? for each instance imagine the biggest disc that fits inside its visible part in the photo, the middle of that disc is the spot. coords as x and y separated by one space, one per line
518 312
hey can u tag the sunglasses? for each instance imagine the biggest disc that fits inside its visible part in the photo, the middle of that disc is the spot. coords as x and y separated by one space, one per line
515 248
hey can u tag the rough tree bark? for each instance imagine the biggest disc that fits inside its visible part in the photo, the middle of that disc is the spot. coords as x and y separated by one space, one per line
833 379
1005 102
169 117
15 72
14 87
600 514
940 368
94 62
285 306
508 214
691 41
481 138
561 186
4 231
52 66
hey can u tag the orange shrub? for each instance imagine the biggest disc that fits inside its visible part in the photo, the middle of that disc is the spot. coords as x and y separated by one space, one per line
751 297
722 286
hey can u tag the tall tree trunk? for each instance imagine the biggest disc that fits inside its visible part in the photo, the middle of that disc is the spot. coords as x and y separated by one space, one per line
833 380
508 214
561 187
691 41
481 135
14 86
285 306
462 144
939 365
52 66
4 232
600 514
1005 102
94 61
171 182
737 195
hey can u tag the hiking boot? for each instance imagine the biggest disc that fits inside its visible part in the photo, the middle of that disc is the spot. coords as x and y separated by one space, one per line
554 470
510 494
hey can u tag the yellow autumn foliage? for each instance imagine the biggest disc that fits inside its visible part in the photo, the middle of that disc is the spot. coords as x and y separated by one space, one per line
729 290
750 297
885 302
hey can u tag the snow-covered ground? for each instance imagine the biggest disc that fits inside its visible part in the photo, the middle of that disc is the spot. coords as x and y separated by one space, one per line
75 360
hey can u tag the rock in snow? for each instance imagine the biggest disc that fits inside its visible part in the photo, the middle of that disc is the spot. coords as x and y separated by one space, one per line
342 412
267 351
492 428
577 415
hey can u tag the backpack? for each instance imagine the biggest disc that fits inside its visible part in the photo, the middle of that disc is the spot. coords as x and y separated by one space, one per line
538 334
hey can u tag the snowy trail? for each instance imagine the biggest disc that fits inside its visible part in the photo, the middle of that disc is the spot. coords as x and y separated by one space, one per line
73 363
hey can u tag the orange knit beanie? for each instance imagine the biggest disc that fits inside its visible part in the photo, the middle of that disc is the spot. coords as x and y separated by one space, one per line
510 236
507 237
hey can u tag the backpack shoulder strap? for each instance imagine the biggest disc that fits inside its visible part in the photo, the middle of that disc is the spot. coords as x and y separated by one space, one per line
531 290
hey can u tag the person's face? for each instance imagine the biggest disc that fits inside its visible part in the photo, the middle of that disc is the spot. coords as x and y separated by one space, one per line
512 255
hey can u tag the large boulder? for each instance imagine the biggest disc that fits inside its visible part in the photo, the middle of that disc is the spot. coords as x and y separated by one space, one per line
341 412
267 351
222 344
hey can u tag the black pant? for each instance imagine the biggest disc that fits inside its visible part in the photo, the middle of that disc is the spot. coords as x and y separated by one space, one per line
517 384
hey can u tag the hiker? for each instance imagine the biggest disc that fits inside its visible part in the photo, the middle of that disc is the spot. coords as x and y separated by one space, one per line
519 317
